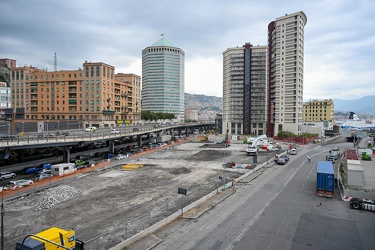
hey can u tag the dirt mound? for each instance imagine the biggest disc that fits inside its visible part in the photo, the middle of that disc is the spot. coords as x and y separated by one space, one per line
208 155
180 171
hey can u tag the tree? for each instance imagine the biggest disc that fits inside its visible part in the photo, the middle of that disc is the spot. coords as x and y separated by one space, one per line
153 116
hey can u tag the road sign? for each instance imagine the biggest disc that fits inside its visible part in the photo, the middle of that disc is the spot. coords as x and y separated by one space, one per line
182 191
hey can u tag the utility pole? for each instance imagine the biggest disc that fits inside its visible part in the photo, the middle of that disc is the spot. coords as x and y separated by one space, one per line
2 219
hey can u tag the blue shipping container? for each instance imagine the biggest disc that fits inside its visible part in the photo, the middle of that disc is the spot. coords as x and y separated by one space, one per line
325 181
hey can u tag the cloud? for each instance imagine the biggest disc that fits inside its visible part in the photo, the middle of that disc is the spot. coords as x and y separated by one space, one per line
339 37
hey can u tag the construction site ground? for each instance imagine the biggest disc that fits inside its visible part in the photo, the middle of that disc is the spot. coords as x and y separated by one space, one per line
109 206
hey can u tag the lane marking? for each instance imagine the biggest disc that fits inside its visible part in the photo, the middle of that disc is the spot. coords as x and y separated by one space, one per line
251 223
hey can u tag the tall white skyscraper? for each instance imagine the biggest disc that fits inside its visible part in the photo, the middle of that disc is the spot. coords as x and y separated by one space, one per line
285 73
163 78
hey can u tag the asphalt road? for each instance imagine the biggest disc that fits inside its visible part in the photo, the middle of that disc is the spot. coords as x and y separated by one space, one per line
280 210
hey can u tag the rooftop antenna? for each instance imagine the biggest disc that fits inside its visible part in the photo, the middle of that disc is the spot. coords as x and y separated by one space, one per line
55 62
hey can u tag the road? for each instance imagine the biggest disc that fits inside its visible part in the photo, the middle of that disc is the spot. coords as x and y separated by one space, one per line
279 210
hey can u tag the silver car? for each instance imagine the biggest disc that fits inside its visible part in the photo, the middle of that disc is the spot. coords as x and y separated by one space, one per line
21 182
6 175
42 176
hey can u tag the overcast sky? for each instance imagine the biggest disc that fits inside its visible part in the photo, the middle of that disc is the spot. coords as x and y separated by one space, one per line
339 37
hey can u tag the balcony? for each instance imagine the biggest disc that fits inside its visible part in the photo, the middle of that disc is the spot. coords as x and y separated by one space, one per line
108 112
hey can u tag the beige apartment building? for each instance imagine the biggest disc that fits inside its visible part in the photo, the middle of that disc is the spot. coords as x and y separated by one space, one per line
316 111
191 115
286 73
93 95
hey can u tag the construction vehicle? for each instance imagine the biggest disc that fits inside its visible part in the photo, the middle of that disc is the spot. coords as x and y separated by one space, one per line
366 156
51 239
205 137
358 203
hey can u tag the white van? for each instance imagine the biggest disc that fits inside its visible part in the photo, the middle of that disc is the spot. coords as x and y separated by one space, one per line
293 151
251 149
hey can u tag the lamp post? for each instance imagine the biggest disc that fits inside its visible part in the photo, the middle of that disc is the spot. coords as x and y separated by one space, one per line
2 219
23 127
47 126
8 128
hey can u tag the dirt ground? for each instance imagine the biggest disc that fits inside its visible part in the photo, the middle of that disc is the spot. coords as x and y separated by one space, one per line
111 205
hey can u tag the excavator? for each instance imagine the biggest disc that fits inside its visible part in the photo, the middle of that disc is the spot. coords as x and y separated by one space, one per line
205 137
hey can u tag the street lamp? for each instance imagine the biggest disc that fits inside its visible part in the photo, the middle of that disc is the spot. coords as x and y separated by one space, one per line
2 218
8 128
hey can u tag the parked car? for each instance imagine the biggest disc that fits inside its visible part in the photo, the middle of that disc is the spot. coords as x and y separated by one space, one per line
21 182
335 148
115 131
135 129
82 157
80 164
282 160
45 171
45 166
120 157
40 177
108 156
3 189
91 163
293 151
8 159
7 175
30 170
90 129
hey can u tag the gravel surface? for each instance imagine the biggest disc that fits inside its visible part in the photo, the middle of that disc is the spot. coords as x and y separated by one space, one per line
109 206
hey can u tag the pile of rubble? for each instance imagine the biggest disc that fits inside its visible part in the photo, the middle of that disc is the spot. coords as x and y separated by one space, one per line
53 196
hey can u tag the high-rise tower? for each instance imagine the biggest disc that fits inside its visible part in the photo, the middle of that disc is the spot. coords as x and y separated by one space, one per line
245 90
163 77
285 74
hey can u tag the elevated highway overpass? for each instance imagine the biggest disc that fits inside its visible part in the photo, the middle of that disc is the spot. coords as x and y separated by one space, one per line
81 139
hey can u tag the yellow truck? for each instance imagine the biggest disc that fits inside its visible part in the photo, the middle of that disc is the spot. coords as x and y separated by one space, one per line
51 239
